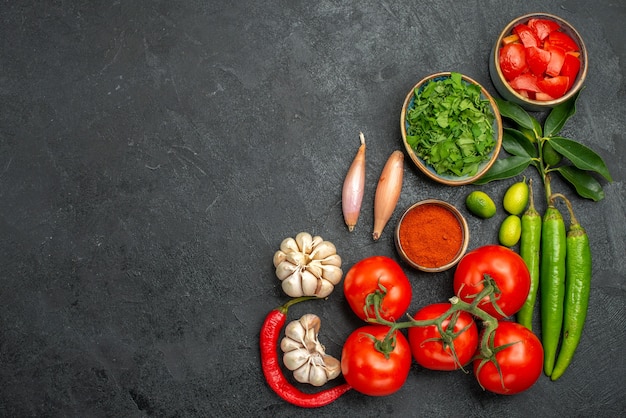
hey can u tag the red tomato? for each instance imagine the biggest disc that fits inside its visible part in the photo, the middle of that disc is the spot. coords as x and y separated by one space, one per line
554 86
537 60
378 274
502 265
526 35
520 363
570 68
563 40
557 58
543 27
429 349
368 370
526 81
512 60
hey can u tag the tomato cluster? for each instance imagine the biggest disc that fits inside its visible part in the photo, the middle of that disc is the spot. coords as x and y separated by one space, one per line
491 283
539 60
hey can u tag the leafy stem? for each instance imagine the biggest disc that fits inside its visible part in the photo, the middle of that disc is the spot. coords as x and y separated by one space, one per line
527 143
447 335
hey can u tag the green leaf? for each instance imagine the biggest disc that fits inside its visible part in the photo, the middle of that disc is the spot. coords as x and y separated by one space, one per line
537 129
516 113
516 143
505 168
586 186
580 155
559 115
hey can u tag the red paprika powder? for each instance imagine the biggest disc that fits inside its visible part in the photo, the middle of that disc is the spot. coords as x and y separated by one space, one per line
430 235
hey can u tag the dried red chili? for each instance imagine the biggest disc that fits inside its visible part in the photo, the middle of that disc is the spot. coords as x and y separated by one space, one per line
430 235
270 333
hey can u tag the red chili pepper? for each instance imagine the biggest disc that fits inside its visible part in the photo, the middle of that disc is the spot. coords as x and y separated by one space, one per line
274 376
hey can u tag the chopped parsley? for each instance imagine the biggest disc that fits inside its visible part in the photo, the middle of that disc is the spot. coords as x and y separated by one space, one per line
450 126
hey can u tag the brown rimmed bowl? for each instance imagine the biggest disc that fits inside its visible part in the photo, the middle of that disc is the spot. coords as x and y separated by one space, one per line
429 171
418 255
508 93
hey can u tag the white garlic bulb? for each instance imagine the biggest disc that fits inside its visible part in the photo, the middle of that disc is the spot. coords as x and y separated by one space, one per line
304 355
308 266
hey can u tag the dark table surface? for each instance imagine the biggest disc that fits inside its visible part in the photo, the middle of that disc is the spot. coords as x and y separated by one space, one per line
154 154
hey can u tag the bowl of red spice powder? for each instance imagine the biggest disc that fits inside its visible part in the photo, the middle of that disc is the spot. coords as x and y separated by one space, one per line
432 235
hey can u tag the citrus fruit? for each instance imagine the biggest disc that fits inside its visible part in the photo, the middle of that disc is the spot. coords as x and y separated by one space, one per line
510 231
516 198
480 204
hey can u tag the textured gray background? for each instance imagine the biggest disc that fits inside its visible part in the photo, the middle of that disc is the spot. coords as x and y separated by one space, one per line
153 155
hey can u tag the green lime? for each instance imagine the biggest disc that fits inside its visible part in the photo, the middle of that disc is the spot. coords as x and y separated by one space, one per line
510 231
516 198
480 204
550 156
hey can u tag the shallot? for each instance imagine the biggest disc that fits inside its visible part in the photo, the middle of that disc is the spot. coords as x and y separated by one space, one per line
388 191
353 187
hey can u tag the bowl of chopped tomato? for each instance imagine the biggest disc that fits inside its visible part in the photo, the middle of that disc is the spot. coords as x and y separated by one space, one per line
538 61
451 128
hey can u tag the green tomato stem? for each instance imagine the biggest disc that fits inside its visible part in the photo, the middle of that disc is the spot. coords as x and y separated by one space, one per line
456 305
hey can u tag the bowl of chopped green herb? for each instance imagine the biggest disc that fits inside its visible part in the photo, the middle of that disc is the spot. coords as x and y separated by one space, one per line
451 128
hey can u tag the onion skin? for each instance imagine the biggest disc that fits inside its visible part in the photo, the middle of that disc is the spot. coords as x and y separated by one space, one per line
353 187
388 191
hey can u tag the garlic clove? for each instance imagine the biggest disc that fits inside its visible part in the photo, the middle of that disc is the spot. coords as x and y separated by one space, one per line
292 285
295 331
279 257
305 242
289 245
301 374
311 322
286 269
325 289
295 359
317 376
310 341
309 283
298 259
325 249
332 273
288 344
333 367
334 260
317 240
315 268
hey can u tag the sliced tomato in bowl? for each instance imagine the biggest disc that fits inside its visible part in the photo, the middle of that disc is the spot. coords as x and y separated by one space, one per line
512 60
537 60
526 82
554 86
557 57
563 40
570 68
543 27
526 35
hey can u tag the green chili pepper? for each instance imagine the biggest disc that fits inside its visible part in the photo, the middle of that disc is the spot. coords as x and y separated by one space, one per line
577 284
552 283
530 244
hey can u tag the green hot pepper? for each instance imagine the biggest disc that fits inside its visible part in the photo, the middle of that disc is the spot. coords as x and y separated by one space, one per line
577 285
530 251
552 283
